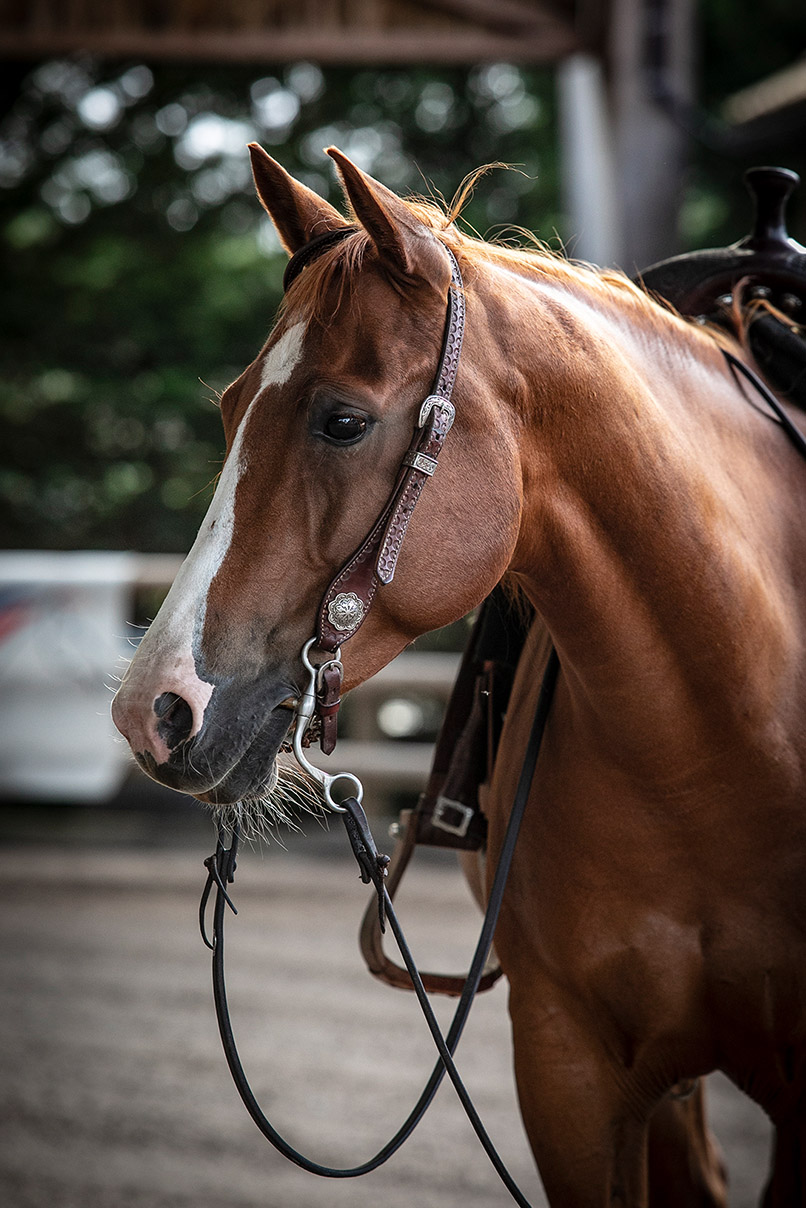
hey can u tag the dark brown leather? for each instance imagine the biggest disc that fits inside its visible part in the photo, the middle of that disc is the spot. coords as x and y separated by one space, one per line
311 250
328 699
376 559
448 813
428 447
468 739
353 589
371 936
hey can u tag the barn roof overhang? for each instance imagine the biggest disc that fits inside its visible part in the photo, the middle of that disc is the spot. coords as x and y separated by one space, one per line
327 31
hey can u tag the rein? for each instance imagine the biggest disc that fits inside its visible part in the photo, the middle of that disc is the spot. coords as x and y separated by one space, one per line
792 430
372 864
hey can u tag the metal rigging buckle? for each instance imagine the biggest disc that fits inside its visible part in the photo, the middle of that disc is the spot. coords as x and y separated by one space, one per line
437 400
452 816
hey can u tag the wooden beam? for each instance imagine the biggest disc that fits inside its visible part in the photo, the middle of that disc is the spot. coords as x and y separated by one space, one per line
553 41
503 16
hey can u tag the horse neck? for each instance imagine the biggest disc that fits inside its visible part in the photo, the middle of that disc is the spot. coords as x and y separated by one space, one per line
639 533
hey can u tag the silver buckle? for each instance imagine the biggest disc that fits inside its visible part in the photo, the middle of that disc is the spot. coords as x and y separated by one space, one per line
445 805
422 462
436 400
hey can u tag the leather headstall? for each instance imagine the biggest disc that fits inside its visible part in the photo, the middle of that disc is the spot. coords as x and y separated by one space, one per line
349 598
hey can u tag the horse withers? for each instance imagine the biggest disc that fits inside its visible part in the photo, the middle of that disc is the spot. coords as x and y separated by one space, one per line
604 461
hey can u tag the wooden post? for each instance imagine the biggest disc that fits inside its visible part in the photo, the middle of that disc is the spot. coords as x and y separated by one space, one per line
650 50
590 199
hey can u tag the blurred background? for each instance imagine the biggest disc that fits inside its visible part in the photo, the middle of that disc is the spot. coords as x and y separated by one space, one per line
140 276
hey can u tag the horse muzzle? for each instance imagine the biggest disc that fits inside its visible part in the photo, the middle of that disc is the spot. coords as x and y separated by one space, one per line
227 755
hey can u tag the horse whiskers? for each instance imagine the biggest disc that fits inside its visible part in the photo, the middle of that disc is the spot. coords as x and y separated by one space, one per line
293 792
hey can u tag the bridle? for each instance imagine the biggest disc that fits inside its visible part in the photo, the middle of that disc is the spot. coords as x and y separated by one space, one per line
348 599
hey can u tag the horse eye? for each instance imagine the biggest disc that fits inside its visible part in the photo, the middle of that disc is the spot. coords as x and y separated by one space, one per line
345 428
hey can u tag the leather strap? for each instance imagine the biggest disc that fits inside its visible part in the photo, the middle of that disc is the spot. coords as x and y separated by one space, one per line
349 598
370 938
791 429
311 250
328 699
221 872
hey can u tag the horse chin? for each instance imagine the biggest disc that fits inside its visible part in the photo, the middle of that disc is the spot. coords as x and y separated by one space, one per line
233 790
247 773
281 799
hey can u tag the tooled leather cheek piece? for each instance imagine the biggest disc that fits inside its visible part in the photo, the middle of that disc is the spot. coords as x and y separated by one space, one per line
349 598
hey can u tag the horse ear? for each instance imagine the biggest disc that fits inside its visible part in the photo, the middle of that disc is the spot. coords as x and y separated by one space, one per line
405 243
296 211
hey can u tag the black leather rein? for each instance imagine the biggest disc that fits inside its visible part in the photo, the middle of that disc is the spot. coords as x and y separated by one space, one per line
221 872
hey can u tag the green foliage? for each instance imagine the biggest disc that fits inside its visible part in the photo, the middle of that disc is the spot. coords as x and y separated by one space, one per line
141 276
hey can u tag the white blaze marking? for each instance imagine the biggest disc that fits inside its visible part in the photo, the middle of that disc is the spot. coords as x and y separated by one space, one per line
167 649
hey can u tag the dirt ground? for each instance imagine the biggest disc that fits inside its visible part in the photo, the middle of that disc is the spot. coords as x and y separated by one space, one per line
114 1089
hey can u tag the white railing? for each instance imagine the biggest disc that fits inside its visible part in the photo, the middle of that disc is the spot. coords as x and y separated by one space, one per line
63 632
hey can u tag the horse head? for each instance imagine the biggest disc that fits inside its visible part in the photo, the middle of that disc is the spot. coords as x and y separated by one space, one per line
315 430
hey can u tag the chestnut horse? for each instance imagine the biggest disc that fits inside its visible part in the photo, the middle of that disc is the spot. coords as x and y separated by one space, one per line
606 460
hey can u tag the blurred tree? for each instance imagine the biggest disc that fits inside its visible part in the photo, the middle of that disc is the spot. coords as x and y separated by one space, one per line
137 260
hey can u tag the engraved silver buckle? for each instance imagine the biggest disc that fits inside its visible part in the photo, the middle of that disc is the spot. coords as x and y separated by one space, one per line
422 462
437 400
444 806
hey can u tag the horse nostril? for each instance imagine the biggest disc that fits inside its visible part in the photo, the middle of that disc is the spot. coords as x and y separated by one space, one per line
175 718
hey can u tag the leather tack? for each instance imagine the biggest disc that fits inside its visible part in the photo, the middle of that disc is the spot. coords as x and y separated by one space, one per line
376 559
328 699
349 597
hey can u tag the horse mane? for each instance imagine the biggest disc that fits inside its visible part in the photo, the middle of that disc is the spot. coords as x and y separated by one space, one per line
312 292
336 270
746 310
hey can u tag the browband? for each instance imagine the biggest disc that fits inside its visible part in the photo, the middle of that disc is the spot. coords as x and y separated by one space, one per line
311 250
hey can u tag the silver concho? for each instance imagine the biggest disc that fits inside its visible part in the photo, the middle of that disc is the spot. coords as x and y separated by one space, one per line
345 612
